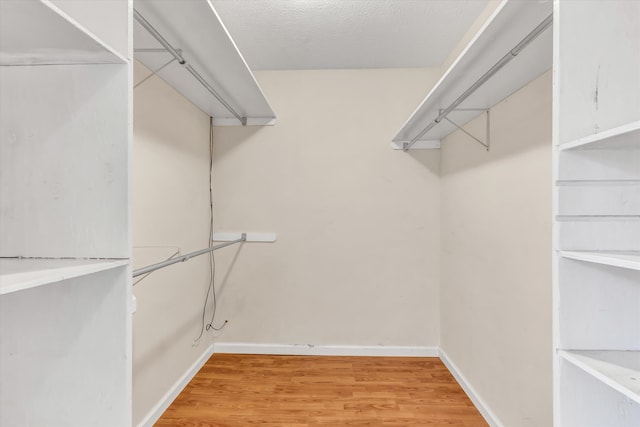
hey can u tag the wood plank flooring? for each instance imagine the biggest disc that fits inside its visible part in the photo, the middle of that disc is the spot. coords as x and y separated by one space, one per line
304 391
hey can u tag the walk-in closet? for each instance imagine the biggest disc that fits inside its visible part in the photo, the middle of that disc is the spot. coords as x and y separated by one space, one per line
320 212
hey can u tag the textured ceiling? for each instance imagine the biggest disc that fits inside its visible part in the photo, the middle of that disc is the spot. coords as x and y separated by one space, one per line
323 34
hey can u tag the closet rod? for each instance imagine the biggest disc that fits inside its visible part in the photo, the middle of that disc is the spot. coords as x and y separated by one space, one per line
498 65
157 266
178 57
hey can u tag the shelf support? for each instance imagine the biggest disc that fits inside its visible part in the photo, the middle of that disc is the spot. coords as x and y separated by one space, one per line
153 73
488 126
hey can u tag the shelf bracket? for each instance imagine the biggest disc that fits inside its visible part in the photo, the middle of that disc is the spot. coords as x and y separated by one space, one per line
488 126
153 73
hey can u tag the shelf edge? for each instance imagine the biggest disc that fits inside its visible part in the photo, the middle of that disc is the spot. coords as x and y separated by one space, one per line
602 258
251 121
56 275
572 357
431 144
601 136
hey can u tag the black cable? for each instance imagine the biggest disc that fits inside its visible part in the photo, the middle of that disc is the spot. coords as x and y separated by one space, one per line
212 261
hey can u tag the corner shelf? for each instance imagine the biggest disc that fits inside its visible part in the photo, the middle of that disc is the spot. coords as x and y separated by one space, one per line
39 33
196 31
18 274
623 260
619 370
509 24
619 138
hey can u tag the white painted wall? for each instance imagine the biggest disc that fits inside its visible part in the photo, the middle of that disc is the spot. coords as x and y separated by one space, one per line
170 212
357 256
496 257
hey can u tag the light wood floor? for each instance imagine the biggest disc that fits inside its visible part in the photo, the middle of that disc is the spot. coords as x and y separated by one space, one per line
245 390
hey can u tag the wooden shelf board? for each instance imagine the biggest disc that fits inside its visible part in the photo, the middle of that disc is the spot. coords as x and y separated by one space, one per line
619 370
622 137
623 260
196 30
17 274
509 24
38 33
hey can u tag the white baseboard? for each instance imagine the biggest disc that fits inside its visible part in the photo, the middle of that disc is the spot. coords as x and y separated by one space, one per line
156 412
324 350
487 413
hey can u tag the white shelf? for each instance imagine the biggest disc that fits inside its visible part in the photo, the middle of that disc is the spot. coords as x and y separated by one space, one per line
508 25
17 274
630 261
619 370
38 33
596 139
622 137
195 29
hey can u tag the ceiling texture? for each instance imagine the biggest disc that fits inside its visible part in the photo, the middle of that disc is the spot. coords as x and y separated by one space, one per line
334 34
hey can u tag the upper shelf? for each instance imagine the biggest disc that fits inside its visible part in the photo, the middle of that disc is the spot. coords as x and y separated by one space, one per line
622 137
512 21
36 32
195 30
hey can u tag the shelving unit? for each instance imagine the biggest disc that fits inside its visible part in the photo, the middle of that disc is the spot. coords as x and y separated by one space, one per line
194 29
510 23
597 213
65 278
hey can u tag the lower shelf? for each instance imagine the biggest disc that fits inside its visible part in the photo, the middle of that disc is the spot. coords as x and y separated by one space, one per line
620 370
17 274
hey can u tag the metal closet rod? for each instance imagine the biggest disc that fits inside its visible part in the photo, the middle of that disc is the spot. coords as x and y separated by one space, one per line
157 266
498 65
178 57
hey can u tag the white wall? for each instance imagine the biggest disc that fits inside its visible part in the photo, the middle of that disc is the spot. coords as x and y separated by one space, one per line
170 212
357 256
496 257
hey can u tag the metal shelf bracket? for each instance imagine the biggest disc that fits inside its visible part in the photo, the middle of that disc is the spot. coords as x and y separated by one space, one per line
154 72
486 144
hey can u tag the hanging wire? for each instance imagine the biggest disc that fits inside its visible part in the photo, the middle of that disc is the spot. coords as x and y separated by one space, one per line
211 289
